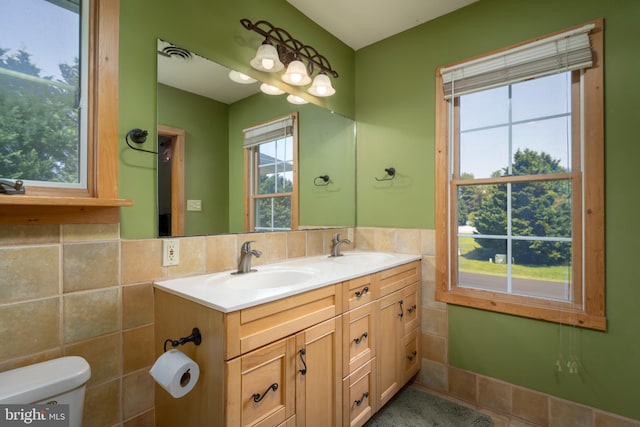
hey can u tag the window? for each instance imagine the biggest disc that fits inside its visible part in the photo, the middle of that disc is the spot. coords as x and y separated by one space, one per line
271 175
97 199
44 91
520 180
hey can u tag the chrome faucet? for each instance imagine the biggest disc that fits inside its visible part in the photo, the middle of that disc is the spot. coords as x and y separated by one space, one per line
244 265
335 244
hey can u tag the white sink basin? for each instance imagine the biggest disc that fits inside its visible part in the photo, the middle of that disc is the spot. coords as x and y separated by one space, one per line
362 258
263 279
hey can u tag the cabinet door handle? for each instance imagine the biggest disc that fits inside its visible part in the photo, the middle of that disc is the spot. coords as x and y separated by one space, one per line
401 314
359 339
258 397
358 402
303 352
363 292
412 309
412 355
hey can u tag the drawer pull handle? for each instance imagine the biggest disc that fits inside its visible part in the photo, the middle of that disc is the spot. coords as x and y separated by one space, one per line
359 340
363 292
303 352
401 314
257 397
412 308
358 402
412 355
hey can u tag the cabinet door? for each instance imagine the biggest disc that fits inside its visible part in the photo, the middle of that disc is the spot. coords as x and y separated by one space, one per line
359 337
319 375
261 386
390 332
411 308
359 391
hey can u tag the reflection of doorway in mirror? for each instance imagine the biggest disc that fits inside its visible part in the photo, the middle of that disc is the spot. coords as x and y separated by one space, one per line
170 181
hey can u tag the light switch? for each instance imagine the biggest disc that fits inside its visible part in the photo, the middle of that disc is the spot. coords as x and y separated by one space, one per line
194 205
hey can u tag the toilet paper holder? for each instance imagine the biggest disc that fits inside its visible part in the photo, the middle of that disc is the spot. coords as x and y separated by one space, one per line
195 338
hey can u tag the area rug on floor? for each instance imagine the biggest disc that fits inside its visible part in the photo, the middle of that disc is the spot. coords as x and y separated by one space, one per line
413 407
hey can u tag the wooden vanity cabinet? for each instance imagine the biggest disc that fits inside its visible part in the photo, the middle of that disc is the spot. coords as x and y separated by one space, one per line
398 332
327 357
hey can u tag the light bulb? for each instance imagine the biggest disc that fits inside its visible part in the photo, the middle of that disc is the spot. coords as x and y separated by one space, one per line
268 63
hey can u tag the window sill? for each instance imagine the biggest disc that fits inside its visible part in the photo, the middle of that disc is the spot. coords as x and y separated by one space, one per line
551 311
21 209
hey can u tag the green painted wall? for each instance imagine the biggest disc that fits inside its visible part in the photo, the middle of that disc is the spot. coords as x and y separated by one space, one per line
325 146
395 116
212 29
205 124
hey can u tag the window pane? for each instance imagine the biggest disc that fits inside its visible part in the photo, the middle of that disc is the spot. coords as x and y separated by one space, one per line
541 97
482 263
541 209
542 269
484 153
273 213
483 207
275 167
486 108
40 91
543 146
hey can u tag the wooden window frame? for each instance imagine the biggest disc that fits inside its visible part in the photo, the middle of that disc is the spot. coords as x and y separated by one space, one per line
249 199
589 215
99 202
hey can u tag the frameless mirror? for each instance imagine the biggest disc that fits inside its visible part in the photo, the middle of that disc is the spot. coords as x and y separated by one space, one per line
201 116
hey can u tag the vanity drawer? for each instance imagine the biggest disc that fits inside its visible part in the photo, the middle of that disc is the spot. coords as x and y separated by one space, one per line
359 291
358 391
261 386
398 277
359 335
411 355
253 327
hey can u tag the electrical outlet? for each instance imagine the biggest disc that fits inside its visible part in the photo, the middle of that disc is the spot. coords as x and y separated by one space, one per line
170 252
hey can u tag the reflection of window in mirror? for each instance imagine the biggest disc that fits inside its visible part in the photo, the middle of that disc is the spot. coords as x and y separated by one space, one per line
43 92
271 175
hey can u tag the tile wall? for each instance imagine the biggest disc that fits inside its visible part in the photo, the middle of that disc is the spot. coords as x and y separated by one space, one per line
81 290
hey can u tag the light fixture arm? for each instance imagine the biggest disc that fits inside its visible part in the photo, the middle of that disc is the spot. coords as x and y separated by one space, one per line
289 48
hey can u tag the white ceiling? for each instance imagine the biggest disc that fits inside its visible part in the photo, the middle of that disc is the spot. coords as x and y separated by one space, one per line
359 23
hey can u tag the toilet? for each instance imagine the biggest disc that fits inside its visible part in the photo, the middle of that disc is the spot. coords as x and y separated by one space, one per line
59 380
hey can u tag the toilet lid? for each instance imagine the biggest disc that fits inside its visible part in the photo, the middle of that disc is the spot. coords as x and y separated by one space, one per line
42 380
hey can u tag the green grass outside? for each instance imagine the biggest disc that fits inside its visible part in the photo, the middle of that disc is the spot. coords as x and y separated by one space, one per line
467 244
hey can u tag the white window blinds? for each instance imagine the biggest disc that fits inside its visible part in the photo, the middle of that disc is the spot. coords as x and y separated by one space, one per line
265 132
562 52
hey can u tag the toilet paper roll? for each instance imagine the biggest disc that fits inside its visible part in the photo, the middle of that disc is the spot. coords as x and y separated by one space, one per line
175 372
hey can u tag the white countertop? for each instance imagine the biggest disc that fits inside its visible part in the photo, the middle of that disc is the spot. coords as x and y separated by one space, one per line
226 292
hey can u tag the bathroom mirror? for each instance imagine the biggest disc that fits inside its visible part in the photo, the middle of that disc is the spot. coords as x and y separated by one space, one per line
201 113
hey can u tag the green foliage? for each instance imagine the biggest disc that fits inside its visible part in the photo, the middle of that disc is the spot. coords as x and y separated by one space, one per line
538 208
39 130
274 212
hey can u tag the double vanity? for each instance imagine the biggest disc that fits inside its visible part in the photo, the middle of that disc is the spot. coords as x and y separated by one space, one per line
315 341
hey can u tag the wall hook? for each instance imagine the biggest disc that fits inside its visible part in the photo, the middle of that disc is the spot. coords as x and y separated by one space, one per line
391 174
138 136
321 181
195 337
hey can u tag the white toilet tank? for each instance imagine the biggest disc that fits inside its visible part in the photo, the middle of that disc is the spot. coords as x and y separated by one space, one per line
59 380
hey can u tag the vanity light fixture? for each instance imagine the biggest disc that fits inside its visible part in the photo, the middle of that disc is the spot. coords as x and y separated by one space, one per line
301 60
241 78
294 99
270 90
